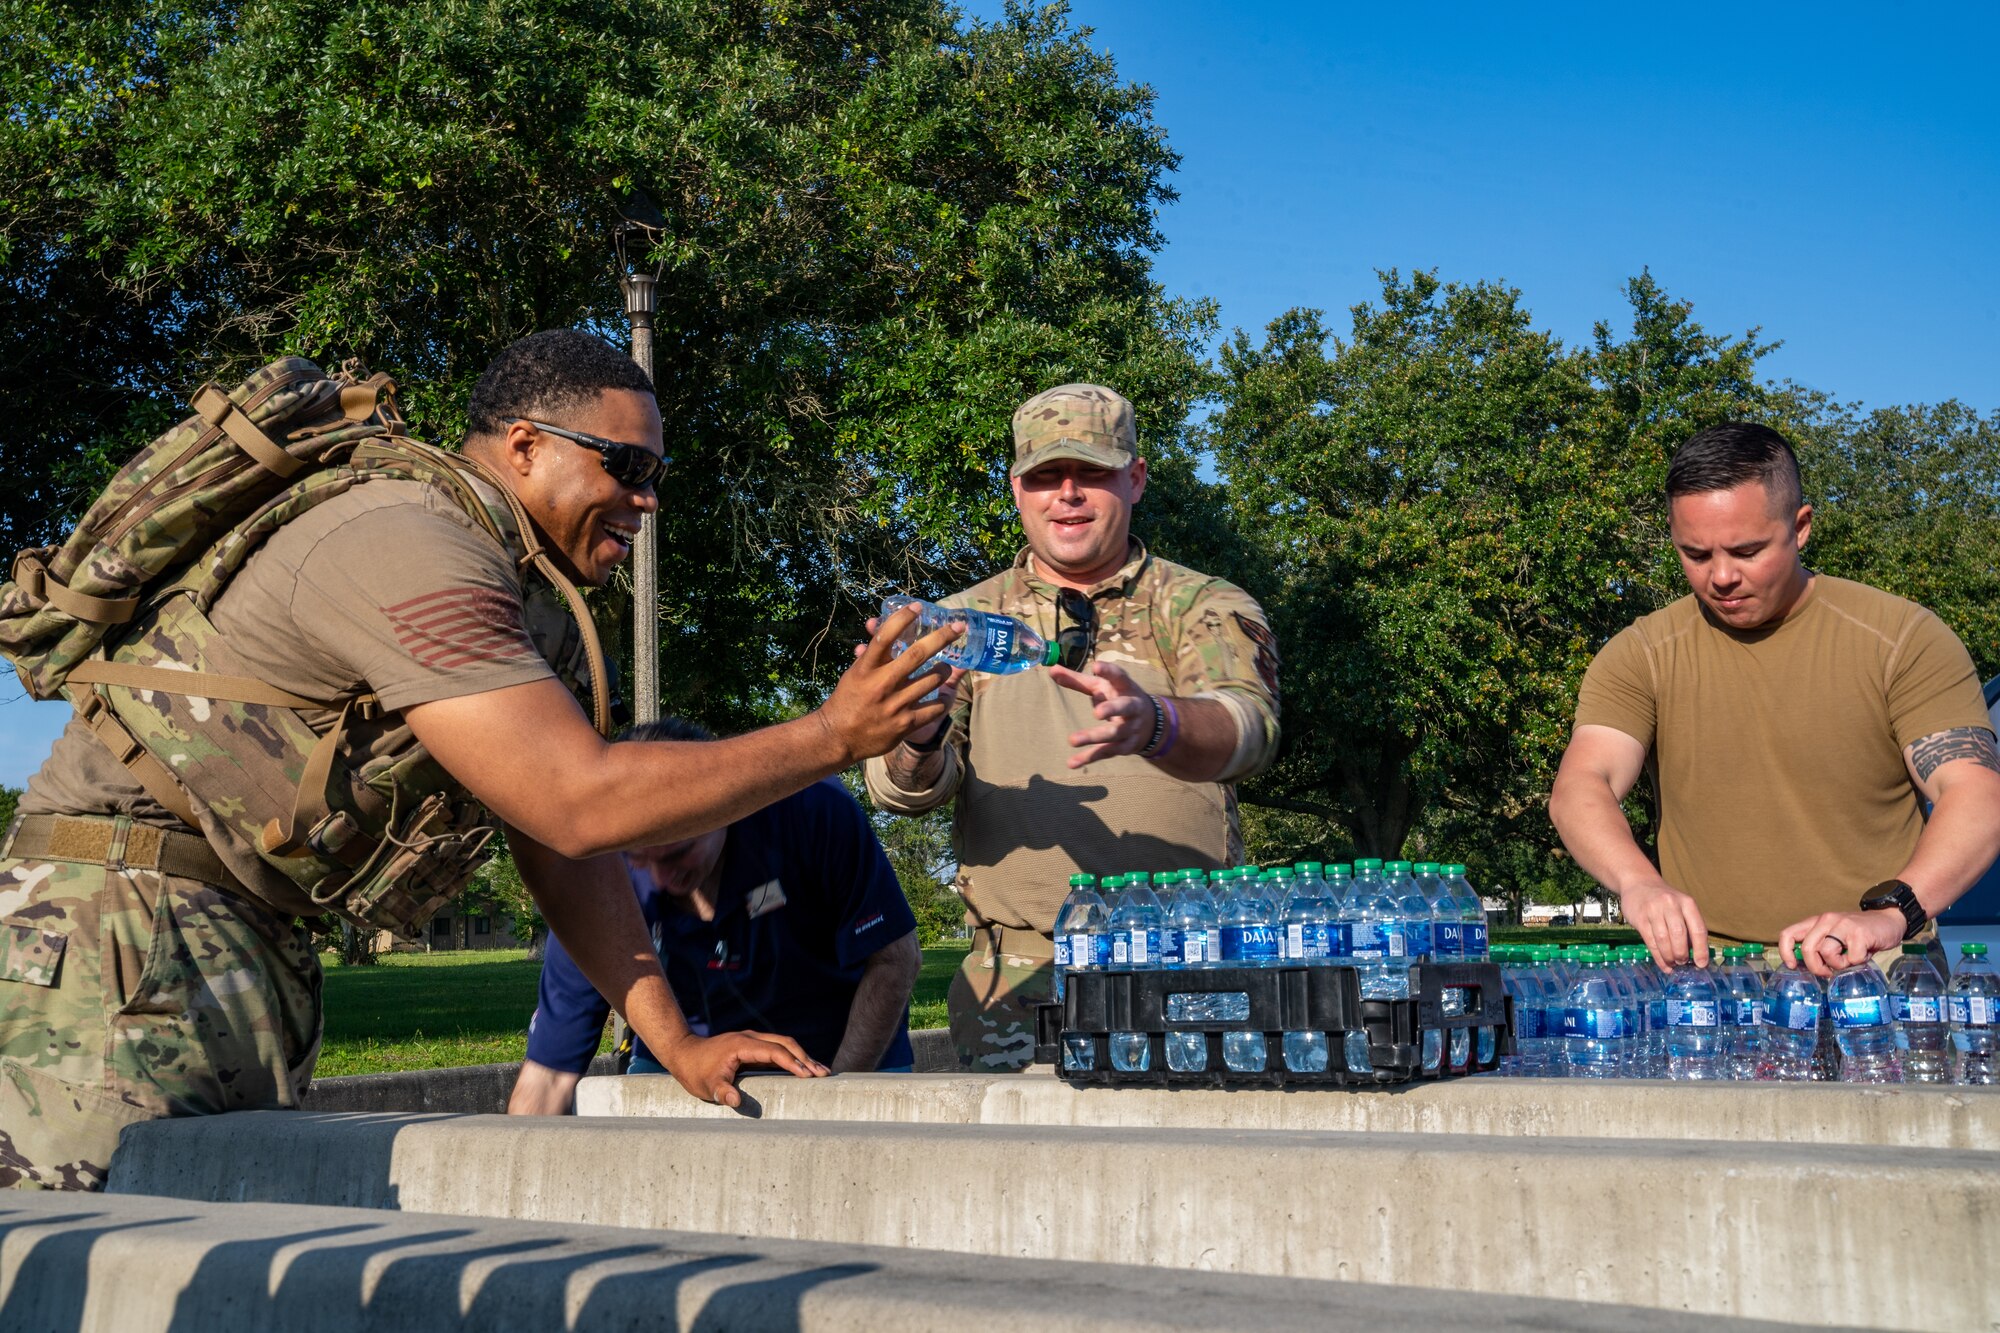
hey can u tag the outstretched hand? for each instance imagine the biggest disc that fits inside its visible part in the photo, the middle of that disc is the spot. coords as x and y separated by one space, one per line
878 701
1124 712
707 1066
947 693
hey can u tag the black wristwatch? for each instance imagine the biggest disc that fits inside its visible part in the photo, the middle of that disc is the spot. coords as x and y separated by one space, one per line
1894 893
931 746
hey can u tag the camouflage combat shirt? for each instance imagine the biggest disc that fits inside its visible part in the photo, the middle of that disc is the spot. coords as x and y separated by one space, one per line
1024 820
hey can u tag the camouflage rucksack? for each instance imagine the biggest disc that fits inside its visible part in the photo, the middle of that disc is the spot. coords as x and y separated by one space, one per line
116 620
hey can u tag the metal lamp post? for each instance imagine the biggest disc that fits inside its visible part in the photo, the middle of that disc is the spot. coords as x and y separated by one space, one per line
640 293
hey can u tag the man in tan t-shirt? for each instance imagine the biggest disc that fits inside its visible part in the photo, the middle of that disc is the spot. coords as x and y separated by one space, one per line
1793 725
1127 764
134 986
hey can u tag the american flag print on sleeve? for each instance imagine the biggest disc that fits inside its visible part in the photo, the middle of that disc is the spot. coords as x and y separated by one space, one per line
458 627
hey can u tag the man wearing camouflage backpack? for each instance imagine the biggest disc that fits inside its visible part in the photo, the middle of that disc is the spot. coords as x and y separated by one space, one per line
306 652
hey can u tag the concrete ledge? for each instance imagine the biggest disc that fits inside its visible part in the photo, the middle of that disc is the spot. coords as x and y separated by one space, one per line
141 1265
483 1089
1907 1117
462 1090
1715 1228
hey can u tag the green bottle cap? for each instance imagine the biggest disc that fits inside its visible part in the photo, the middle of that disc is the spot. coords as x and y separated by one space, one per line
1309 867
1078 881
1161 877
1426 867
1051 653
1284 872
1195 873
1341 871
1398 867
1455 868
1369 863
1971 951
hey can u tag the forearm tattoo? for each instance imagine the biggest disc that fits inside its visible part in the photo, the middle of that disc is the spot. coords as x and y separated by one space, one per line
1942 747
911 771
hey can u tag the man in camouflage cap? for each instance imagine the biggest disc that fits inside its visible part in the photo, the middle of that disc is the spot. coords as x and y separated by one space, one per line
1124 758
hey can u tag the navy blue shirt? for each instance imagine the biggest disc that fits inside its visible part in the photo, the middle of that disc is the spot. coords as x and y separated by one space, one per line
806 896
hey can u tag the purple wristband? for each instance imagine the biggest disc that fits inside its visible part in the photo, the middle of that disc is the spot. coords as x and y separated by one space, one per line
1173 728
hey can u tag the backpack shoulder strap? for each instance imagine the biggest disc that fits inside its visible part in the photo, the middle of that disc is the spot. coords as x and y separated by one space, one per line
534 553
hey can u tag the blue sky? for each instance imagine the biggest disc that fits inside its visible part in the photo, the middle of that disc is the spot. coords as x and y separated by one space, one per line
1830 173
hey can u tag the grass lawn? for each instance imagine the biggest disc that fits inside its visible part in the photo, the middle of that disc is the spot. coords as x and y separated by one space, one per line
430 1011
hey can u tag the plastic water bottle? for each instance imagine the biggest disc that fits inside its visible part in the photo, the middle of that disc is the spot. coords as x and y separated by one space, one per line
1190 942
1515 976
1064 946
1917 1001
1974 1006
1311 931
1650 1041
1339 881
1083 944
1694 1024
1249 939
1595 1022
1471 911
1188 939
1638 1047
1864 1025
1135 944
1543 975
1447 932
1412 907
1376 934
996 644
1742 994
1793 1003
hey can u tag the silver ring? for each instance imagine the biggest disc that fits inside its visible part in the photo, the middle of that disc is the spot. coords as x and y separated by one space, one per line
1837 940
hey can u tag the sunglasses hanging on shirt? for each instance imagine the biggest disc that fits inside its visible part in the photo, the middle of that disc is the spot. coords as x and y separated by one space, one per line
1077 641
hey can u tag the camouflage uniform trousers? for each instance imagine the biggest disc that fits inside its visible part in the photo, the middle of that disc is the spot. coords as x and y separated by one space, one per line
992 999
128 995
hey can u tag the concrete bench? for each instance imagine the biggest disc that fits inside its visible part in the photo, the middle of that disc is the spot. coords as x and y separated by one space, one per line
1906 1116
1797 1231
111 1264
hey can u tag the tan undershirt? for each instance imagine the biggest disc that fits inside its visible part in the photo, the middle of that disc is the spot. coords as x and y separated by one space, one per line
389 588
1778 753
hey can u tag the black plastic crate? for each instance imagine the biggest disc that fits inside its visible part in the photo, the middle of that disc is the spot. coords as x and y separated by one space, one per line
1370 1043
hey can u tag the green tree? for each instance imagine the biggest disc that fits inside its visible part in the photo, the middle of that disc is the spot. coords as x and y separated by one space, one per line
10 797
880 227
1908 499
1447 514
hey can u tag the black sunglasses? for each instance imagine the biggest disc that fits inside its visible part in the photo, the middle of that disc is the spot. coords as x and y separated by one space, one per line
628 464
1079 640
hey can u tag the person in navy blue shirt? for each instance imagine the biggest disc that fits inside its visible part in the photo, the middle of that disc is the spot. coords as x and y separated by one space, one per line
789 921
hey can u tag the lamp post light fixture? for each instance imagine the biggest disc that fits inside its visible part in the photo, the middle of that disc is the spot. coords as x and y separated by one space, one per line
631 240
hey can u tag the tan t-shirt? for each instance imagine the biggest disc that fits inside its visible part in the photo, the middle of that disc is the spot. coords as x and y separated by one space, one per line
1778 753
389 587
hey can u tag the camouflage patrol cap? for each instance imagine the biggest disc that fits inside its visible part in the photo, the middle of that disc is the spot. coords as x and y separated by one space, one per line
1087 422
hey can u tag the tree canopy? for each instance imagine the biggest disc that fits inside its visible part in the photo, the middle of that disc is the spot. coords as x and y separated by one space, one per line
880 227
